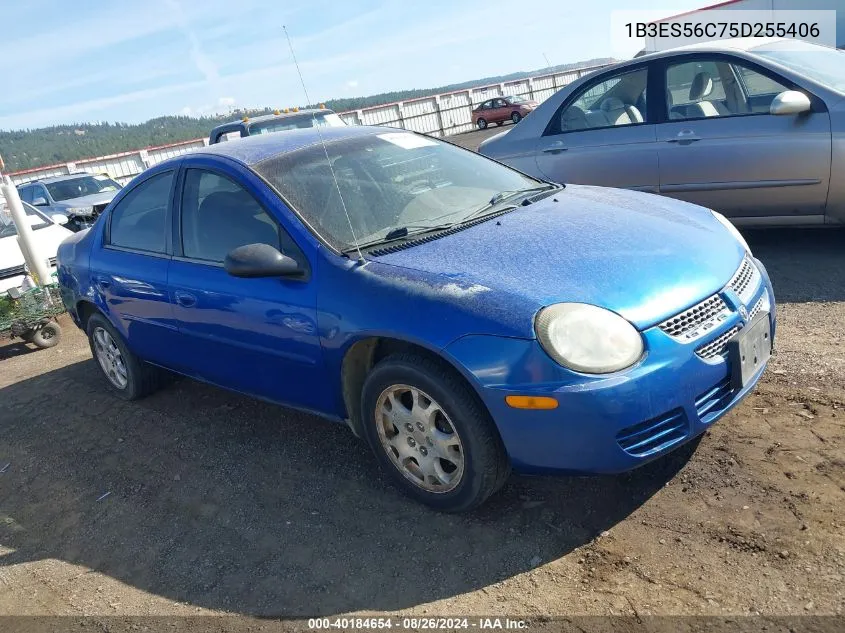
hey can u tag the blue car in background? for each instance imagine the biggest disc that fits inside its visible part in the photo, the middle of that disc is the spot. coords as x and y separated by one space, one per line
462 317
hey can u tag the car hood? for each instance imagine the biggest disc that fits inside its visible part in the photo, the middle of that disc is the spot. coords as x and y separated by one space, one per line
643 256
47 242
84 201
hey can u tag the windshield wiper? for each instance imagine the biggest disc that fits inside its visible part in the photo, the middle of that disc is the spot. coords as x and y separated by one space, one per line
505 195
402 233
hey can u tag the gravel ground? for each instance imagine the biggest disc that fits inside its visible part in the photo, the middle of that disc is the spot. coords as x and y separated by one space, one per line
199 501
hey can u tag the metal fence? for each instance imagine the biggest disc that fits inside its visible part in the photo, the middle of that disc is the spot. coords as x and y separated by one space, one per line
437 115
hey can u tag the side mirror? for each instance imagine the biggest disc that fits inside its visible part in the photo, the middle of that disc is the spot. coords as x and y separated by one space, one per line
790 102
58 218
39 202
260 260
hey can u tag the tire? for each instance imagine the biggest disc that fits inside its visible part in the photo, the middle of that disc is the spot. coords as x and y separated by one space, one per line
516 117
138 379
47 335
476 464
482 124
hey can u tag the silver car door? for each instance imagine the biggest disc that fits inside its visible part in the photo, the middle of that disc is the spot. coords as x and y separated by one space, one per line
601 135
721 148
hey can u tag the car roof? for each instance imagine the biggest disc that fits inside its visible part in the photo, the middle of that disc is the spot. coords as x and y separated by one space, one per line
50 179
745 44
254 149
281 115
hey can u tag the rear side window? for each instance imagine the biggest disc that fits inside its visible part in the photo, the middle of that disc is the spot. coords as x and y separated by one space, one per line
139 220
218 215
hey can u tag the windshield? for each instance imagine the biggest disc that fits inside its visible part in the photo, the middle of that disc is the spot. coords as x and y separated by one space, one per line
388 180
517 99
819 63
80 187
329 119
37 220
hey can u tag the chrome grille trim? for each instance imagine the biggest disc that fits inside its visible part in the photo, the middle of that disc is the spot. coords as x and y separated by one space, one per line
757 307
745 280
718 346
688 320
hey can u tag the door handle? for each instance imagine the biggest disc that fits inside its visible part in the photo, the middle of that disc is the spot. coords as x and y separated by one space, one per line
684 136
186 300
555 149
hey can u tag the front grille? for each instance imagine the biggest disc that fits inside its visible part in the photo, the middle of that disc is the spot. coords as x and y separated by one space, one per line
714 399
745 280
689 320
655 435
14 271
718 346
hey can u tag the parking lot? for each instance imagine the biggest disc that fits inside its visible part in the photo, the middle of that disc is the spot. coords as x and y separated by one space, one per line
197 500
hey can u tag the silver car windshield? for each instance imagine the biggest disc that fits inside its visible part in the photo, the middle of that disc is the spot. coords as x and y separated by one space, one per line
329 119
387 180
80 187
819 63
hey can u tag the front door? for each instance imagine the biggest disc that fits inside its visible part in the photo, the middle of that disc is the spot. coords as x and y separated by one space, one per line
130 270
602 136
258 336
722 149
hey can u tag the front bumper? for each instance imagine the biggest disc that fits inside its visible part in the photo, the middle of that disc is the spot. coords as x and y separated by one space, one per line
604 424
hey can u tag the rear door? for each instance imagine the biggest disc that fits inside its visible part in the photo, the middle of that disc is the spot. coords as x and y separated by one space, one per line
602 134
129 270
500 112
262 333
721 148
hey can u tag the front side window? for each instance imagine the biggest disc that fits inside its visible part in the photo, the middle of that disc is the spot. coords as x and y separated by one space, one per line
36 219
218 215
615 101
387 180
717 88
80 187
26 194
139 220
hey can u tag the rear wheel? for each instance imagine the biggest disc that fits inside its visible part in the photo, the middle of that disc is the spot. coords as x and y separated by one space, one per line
431 434
516 117
481 123
126 375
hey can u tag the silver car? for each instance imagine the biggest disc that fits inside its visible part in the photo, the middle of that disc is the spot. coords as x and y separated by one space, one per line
81 197
751 128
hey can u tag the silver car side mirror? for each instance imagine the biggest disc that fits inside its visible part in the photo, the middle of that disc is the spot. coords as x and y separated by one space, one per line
790 102
59 219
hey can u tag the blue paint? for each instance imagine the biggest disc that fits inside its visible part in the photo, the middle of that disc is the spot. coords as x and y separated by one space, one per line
470 297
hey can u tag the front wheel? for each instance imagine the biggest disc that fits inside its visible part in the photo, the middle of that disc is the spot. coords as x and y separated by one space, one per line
516 117
127 376
431 434
481 123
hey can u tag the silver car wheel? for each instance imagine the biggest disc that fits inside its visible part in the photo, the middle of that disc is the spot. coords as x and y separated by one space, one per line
419 438
110 358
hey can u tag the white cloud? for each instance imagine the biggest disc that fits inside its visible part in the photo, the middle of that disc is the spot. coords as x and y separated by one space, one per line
352 83
225 102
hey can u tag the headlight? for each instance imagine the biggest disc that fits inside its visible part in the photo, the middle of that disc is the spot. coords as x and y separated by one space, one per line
731 228
587 338
80 210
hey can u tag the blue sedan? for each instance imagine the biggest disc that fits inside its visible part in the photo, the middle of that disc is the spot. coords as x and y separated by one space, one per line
464 318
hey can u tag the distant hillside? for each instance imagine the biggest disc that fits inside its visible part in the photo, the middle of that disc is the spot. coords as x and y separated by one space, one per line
23 149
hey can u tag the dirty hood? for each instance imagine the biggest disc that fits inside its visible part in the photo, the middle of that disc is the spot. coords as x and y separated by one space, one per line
643 256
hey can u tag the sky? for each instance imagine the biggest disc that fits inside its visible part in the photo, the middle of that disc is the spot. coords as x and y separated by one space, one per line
70 61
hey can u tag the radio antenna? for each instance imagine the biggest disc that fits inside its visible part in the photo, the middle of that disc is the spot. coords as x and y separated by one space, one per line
361 259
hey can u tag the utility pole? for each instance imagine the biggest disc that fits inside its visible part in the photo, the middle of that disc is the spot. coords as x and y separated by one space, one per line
36 264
